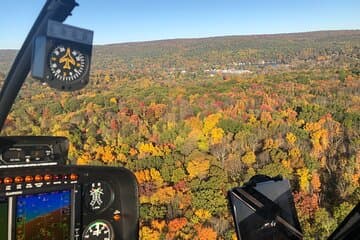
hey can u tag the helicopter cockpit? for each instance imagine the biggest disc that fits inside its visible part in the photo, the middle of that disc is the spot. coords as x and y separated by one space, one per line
43 196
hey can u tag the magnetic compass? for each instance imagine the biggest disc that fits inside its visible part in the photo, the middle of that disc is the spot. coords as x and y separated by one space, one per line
62 57
67 64
98 230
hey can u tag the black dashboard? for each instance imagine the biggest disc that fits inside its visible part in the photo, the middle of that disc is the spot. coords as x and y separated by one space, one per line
43 198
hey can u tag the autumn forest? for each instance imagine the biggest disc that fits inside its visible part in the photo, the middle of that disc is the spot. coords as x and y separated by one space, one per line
193 118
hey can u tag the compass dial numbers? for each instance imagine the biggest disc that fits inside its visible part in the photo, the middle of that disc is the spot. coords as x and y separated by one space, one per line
99 230
67 64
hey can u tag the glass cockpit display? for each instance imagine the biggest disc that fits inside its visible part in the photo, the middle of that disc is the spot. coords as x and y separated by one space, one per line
44 216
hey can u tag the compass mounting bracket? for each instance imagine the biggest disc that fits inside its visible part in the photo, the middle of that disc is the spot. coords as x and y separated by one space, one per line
61 58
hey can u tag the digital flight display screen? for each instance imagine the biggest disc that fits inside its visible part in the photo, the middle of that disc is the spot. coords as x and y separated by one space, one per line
43 216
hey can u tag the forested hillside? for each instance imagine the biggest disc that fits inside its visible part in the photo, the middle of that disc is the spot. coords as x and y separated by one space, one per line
195 117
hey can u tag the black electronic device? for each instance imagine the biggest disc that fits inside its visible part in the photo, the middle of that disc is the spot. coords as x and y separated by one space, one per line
62 57
33 151
264 209
350 226
68 202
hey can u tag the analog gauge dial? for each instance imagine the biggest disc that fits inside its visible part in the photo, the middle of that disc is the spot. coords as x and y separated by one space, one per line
67 64
99 230
98 196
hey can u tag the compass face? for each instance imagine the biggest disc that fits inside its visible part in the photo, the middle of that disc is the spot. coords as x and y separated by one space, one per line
67 64
99 230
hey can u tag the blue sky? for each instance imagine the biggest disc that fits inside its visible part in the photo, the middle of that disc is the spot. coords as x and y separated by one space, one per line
116 21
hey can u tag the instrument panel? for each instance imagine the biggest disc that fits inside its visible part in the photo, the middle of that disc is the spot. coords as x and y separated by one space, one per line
43 198
33 151
68 202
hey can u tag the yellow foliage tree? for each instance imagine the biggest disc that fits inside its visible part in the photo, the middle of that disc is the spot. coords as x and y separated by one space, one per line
148 149
286 164
233 236
319 137
105 154
149 175
303 174
217 135
210 122
249 158
252 119
121 157
201 215
198 167
290 138
289 114
158 224
147 233
84 159
162 196
269 143
113 100
295 153
107 78
194 123
195 134
312 126
203 143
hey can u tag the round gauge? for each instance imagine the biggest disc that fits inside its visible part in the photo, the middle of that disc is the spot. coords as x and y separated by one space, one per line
99 230
67 64
98 196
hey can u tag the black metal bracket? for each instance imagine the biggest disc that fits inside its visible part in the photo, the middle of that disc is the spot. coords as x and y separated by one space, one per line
57 10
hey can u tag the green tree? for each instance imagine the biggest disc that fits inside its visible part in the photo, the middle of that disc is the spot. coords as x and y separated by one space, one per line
341 211
342 75
324 224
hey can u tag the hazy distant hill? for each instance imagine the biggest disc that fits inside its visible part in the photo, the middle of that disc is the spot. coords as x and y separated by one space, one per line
275 41
217 50
6 58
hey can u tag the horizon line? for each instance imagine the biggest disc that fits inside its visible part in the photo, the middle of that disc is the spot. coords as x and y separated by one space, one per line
208 37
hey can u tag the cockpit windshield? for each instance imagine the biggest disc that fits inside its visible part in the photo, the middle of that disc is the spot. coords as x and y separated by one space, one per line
195 98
